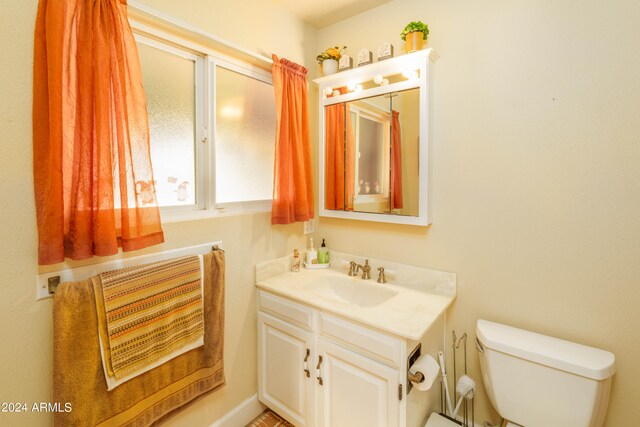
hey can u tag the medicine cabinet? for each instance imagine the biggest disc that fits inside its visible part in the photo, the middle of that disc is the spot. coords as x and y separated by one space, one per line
374 139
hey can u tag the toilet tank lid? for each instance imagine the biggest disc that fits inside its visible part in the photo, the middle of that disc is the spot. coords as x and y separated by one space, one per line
564 355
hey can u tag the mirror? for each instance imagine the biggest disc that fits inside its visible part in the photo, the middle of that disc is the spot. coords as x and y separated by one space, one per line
373 124
372 154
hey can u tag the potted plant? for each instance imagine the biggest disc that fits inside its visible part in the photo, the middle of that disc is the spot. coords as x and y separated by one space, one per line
329 59
414 34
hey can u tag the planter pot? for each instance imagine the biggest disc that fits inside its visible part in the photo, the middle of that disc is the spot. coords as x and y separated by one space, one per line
414 41
329 66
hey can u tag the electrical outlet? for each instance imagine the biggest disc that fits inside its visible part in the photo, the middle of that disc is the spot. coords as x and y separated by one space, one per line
310 226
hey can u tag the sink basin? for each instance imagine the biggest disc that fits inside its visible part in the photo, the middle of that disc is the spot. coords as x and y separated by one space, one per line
350 290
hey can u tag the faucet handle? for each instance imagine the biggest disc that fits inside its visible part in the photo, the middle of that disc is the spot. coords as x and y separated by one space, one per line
381 276
353 269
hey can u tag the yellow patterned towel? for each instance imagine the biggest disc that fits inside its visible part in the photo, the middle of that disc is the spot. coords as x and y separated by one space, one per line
147 315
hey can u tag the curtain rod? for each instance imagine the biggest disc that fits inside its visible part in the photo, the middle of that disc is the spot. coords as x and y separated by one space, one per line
141 11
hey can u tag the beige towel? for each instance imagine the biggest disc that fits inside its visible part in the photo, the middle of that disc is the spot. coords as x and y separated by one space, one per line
78 376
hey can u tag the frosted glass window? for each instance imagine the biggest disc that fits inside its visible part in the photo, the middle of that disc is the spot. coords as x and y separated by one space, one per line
170 83
371 145
244 137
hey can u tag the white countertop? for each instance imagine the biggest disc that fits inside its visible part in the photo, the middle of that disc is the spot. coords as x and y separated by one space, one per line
422 295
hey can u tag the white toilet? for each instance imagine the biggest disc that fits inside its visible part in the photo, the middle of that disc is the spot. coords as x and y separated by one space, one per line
538 381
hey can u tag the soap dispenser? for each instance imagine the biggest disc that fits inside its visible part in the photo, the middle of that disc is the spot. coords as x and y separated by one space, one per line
323 254
295 262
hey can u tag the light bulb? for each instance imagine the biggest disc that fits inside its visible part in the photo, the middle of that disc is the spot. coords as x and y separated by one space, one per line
336 92
351 86
328 90
359 88
410 74
385 82
377 79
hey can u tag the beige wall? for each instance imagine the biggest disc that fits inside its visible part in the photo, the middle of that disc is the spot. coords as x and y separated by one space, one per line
536 184
536 179
25 333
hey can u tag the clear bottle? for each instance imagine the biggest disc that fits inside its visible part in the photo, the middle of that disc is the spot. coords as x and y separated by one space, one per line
323 254
312 253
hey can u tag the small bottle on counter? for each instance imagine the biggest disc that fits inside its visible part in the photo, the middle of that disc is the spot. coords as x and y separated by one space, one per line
295 262
323 254
312 253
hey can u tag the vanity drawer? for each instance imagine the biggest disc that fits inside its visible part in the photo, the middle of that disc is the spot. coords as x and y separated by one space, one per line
286 309
385 348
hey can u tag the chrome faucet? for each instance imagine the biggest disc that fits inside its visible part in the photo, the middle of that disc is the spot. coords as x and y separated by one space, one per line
366 270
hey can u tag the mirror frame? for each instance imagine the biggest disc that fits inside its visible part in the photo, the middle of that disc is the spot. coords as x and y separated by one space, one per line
421 60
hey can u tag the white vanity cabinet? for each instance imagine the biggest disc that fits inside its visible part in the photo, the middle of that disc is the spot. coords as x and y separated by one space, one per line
319 369
333 349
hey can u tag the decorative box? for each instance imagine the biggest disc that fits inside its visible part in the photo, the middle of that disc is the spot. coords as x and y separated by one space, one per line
365 57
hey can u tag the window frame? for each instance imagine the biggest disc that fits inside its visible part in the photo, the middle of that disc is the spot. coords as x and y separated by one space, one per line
206 62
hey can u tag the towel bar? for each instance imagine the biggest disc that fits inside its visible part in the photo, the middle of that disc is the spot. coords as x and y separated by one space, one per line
46 283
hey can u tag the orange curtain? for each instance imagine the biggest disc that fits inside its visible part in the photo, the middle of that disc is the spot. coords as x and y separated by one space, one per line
396 163
90 134
292 181
339 158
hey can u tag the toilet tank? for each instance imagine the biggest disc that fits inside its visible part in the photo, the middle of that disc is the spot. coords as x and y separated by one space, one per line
536 380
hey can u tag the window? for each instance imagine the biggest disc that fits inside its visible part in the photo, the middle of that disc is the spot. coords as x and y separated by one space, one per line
245 132
211 162
172 80
371 126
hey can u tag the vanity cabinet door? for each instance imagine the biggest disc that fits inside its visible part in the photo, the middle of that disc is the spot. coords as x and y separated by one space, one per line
285 356
355 391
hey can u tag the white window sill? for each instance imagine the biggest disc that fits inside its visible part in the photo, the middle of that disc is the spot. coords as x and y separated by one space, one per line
168 216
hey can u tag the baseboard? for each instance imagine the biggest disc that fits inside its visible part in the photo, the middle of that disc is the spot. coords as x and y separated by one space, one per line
242 414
